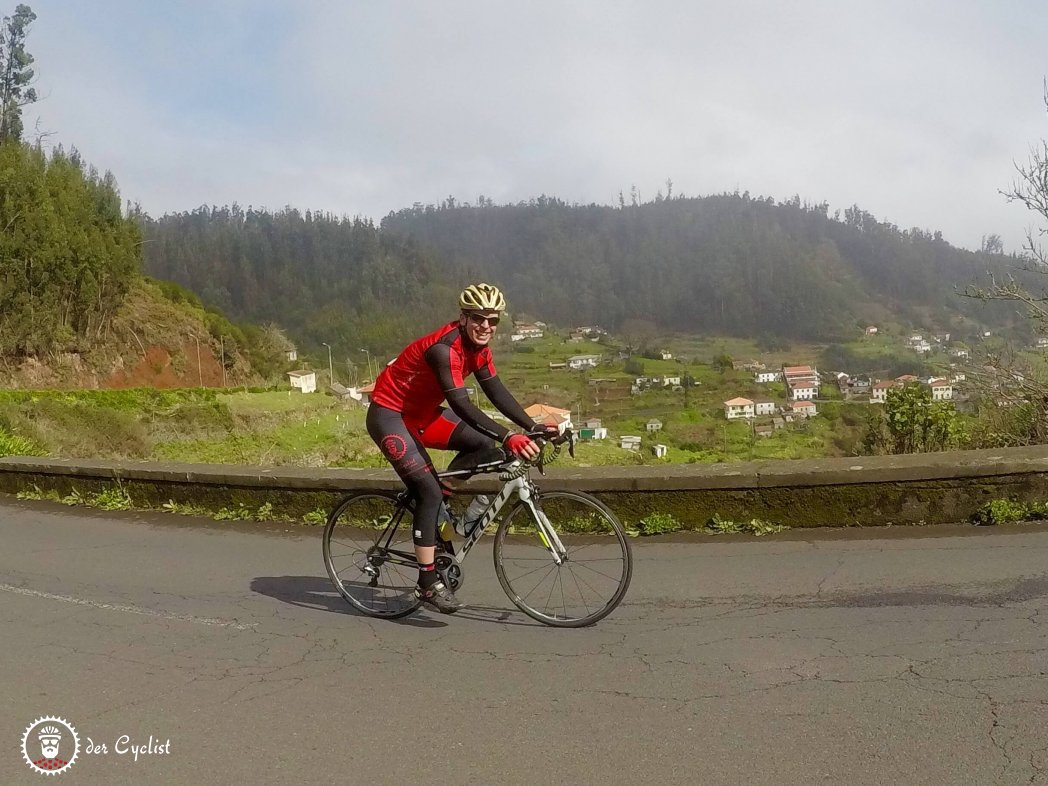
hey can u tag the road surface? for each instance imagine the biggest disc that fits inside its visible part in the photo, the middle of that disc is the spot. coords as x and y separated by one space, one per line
889 656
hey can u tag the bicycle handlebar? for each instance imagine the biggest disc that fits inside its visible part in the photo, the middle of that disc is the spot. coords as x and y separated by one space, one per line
543 437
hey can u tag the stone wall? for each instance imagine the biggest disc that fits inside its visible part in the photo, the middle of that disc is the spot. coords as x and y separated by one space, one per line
925 488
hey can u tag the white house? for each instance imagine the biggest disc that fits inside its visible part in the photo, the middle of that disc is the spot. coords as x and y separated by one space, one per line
666 355
879 391
306 381
921 347
527 331
767 376
670 381
802 382
871 330
804 391
738 408
659 450
653 425
593 428
579 362
804 408
960 352
942 390
629 443
763 406
291 355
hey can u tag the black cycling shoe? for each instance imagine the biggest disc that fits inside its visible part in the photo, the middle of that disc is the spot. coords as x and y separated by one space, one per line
440 597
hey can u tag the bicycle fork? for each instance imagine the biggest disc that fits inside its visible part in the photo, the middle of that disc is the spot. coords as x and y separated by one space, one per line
547 533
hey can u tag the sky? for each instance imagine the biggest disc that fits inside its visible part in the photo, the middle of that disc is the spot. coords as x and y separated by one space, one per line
915 111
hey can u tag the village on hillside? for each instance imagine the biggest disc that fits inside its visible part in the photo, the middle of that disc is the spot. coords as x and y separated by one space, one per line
795 392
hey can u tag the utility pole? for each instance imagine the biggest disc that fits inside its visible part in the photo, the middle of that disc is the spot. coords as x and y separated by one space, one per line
222 339
331 368
369 363
200 374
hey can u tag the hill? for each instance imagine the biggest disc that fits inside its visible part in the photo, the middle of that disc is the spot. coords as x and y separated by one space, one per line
75 310
157 337
727 265
724 265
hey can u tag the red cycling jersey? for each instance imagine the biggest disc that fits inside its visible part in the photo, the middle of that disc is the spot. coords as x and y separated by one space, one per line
411 383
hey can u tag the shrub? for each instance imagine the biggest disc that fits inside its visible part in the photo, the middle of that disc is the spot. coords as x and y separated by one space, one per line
659 524
1007 511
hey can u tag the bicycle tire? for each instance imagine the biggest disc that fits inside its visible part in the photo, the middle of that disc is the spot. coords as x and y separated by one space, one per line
582 522
373 580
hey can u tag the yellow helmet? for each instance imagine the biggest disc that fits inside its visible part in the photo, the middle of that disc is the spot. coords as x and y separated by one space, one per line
482 297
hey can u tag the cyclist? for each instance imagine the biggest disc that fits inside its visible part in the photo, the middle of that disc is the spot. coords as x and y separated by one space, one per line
406 417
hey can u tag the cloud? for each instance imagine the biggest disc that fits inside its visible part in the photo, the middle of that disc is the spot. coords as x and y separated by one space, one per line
915 113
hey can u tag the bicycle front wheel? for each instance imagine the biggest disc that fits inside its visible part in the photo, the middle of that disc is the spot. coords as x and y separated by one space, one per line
370 556
594 569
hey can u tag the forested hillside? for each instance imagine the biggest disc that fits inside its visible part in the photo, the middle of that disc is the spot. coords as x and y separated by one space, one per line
75 310
67 253
727 264
324 278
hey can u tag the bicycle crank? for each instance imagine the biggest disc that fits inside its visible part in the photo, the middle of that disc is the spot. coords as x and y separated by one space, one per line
450 571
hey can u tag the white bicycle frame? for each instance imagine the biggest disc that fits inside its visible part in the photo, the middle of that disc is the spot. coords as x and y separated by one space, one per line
521 486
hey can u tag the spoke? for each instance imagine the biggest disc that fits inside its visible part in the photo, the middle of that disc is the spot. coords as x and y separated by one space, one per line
552 587
549 562
595 591
563 599
525 597
599 573
582 596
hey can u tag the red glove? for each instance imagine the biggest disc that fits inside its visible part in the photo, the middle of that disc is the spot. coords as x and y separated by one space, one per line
521 446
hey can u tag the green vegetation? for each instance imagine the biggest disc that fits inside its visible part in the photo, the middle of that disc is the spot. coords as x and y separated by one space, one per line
719 526
911 422
12 445
67 254
659 523
735 265
117 497
15 72
1006 511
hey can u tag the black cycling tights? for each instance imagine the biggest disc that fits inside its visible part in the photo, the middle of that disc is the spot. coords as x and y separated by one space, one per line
403 446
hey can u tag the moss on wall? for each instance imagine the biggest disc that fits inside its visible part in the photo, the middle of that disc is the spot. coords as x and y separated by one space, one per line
860 504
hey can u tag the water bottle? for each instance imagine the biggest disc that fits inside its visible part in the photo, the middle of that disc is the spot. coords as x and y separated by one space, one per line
473 513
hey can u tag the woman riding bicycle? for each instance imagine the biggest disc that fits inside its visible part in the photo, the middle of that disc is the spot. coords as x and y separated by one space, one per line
406 417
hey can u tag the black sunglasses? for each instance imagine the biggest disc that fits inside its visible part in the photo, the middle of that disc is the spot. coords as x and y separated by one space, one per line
480 319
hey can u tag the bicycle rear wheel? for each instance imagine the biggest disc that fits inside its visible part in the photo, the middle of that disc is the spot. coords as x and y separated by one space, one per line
370 556
596 564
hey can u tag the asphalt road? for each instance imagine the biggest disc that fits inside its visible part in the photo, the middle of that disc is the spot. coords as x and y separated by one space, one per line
889 656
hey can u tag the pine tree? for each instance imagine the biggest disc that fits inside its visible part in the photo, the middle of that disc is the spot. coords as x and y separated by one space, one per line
15 72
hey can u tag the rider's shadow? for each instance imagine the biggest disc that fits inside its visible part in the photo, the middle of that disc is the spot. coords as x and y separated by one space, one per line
315 592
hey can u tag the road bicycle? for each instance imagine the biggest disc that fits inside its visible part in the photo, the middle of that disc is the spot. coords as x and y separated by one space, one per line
562 557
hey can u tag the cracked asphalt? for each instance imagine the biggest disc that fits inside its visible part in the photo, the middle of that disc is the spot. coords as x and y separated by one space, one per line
888 656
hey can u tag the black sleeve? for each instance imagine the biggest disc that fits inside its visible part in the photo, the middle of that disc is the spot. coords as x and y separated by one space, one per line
438 357
503 399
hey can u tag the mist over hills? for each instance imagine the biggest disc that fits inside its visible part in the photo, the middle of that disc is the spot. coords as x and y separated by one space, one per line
726 264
